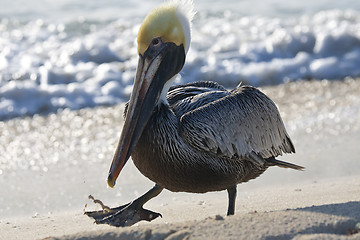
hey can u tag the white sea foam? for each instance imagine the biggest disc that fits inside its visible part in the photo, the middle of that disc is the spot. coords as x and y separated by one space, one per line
46 65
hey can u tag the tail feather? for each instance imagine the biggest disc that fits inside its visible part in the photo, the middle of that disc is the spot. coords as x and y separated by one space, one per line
274 162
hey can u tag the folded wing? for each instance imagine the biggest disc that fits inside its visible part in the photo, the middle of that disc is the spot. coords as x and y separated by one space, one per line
242 123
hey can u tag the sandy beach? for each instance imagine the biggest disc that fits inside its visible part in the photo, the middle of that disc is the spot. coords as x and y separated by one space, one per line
329 209
322 202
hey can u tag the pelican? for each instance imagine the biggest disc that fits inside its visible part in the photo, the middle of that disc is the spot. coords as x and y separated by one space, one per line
198 137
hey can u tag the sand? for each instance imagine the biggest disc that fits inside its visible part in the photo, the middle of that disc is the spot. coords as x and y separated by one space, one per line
329 209
323 202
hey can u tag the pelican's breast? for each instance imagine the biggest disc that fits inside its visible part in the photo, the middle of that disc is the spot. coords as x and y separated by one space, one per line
163 156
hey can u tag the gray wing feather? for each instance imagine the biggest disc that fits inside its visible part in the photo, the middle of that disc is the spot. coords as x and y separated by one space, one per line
244 122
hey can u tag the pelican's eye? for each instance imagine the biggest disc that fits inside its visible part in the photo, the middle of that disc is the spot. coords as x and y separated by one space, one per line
156 41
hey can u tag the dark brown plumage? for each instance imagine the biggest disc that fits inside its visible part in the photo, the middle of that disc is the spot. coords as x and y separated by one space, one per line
180 159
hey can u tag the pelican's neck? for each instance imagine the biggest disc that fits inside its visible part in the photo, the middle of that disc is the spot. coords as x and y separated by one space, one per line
164 91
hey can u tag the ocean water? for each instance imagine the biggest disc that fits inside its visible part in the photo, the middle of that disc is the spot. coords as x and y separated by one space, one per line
76 54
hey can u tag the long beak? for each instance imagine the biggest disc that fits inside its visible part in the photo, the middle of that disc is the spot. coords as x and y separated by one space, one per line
159 63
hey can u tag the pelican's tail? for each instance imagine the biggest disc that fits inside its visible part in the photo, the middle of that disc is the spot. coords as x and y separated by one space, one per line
274 162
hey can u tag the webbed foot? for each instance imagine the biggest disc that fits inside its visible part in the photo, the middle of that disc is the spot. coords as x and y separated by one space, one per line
122 216
128 214
125 215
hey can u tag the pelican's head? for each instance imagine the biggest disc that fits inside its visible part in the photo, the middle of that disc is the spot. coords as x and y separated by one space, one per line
163 41
171 22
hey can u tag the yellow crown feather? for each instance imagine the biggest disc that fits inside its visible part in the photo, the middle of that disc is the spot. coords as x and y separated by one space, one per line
170 21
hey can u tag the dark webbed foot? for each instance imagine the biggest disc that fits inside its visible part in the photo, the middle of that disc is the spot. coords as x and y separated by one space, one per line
122 216
128 214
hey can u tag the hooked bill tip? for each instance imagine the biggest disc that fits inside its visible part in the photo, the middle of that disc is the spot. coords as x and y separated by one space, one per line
111 182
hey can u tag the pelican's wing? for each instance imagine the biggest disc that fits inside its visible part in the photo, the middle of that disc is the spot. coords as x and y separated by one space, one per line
180 92
241 124
187 97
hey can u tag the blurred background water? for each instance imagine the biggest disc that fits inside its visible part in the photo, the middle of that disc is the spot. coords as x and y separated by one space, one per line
76 54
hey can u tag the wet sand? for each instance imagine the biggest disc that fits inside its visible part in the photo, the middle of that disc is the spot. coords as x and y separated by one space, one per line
51 163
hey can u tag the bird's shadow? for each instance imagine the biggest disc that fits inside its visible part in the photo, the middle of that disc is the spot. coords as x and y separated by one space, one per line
349 210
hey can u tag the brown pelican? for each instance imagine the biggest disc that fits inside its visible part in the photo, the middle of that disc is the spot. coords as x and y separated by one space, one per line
197 137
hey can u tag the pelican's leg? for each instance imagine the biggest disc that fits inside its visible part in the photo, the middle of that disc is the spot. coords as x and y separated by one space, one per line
232 196
128 214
